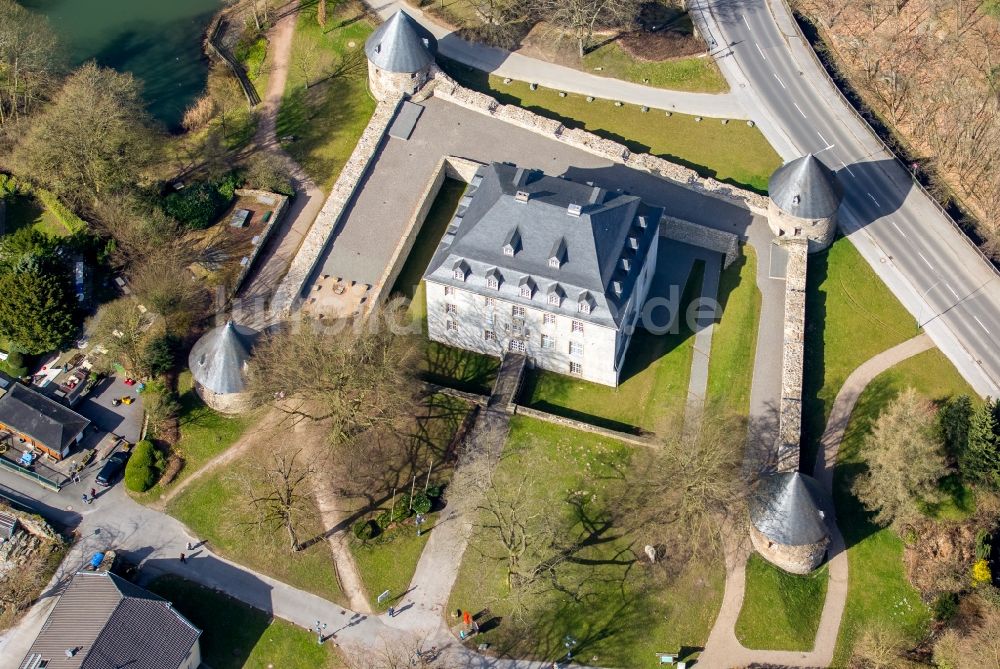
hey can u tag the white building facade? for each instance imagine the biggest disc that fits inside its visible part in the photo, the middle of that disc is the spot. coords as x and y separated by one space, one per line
546 267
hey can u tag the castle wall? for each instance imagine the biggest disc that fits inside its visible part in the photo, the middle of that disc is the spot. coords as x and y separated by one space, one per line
386 85
223 402
819 231
792 356
793 559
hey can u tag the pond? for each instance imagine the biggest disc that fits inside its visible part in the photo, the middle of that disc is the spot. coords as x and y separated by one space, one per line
158 42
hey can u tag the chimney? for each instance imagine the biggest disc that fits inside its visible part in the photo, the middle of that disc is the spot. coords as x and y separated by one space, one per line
521 196
633 242
574 210
617 287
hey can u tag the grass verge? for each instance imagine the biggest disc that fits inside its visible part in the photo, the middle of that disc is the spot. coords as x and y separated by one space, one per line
877 590
780 611
326 105
236 636
620 611
733 153
695 74
28 211
734 342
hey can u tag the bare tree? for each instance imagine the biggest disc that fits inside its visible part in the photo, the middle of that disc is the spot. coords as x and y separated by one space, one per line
278 492
879 647
974 644
29 60
583 17
124 329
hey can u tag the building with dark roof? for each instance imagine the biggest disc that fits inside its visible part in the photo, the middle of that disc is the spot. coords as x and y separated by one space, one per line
541 265
787 522
102 621
41 421
400 56
218 366
804 198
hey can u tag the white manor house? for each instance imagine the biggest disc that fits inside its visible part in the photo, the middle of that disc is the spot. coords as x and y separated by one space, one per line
544 266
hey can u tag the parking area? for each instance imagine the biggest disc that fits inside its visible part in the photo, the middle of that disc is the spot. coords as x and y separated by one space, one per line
124 420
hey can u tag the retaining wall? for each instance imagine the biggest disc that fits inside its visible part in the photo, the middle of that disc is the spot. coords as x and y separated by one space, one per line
680 230
790 405
265 235
305 261
521 410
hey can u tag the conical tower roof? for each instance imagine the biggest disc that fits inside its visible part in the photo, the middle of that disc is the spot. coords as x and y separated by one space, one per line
401 45
218 358
787 509
805 188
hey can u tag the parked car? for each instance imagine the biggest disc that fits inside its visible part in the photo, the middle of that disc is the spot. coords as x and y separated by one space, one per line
112 469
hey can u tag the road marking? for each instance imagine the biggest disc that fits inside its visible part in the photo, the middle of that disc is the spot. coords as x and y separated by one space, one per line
744 17
875 201
825 148
825 143
898 229
779 80
800 111
926 262
981 325
761 52
951 290
848 169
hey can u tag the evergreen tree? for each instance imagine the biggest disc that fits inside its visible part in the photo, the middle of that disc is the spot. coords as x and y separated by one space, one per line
980 460
36 310
954 420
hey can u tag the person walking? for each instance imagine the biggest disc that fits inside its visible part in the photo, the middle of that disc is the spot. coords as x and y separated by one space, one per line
93 493
183 559
86 500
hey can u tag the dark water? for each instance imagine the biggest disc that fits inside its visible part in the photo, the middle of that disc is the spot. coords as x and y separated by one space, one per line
159 41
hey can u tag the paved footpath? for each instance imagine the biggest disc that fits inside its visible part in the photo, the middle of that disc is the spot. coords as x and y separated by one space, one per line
722 648
504 63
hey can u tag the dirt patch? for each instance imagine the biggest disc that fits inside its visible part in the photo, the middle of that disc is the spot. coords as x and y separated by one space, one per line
940 557
660 45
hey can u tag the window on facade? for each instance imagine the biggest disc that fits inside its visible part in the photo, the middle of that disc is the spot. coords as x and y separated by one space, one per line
508 250
492 283
554 263
489 335
575 368
585 307
516 345
578 326
549 319
451 325
517 310
459 274
491 301
548 342
526 291
554 299
450 309
449 290
575 348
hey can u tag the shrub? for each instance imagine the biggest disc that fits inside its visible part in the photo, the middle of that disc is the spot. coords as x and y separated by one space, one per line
69 220
421 503
143 468
945 606
365 529
981 573
383 520
14 365
195 206
435 492
161 353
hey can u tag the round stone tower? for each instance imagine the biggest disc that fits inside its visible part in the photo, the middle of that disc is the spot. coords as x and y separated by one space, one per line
804 198
787 524
400 55
218 365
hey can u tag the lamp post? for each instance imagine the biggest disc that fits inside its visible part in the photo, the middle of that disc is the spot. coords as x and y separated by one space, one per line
570 644
418 521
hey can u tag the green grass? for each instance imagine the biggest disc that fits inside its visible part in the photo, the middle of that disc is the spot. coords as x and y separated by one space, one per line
28 211
253 54
734 153
654 380
236 636
780 611
389 561
877 588
327 118
851 316
734 342
204 433
626 611
695 74
215 507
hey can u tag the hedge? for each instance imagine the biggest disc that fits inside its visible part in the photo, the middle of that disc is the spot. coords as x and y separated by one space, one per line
69 220
143 468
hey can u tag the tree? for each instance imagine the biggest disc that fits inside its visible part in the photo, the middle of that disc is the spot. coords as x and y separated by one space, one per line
29 60
268 171
165 286
143 467
500 20
37 314
979 461
140 228
26 247
358 379
95 137
879 647
954 419
123 328
905 461
973 645
161 353
582 17
277 492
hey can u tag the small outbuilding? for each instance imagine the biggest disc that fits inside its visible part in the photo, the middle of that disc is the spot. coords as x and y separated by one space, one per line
400 56
787 522
218 365
40 421
804 198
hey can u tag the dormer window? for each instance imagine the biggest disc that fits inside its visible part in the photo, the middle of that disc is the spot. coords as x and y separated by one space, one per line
585 303
512 243
584 307
626 264
526 288
555 295
558 254
633 242
461 271
493 279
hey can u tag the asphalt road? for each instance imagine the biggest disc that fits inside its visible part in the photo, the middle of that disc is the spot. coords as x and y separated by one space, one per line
913 247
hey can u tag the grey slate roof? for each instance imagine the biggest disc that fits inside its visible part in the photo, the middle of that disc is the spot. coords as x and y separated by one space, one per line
590 244
401 45
111 623
805 188
217 360
41 418
786 508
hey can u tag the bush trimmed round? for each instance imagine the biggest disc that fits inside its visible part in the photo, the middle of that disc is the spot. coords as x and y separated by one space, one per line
142 470
365 529
421 503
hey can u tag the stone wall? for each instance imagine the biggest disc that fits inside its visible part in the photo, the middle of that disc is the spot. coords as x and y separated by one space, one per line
635 440
448 89
280 205
790 405
231 403
793 559
680 230
461 169
304 263
819 231
385 85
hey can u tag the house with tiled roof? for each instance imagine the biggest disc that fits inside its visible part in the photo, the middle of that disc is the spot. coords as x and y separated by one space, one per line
102 621
544 266
40 421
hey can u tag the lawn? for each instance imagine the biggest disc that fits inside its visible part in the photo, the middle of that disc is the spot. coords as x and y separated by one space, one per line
695 74
653 384
232 533
877 588
850 317
28 211
236 636
734 342
780 611
204 433
389 561
734 153
621 612
320 123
